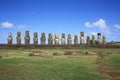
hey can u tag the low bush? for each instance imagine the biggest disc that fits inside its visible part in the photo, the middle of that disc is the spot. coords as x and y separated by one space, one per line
31 54
68 53
55 54
87 53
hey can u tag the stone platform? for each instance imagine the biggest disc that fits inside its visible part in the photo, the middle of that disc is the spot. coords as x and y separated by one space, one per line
32 46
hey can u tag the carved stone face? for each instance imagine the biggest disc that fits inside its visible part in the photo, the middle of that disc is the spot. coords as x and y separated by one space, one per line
63 35
43 34
50 35
103 37
88 37
82 33
27 33
35 34
56 35
93 37
18 34
76 37
69 35
99 36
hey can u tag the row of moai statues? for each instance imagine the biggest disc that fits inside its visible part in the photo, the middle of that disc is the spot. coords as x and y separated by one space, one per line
56 39
93 41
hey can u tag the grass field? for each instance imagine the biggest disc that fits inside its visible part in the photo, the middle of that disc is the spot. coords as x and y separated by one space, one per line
54 64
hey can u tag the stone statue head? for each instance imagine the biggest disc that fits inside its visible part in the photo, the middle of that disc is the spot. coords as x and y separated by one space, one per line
88 37
43 34
50 35
27 33
93 36
69 35
18 34
56 35
82 33
76 37
63 35
103 37
99 34
35 34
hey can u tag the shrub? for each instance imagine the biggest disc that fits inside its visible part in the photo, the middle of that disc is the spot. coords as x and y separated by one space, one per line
31 54
68 53
0 56
55 54
86 53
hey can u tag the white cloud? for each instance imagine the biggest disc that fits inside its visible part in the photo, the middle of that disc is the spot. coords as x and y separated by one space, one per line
87 24
117 26
22 27
7 25
100 24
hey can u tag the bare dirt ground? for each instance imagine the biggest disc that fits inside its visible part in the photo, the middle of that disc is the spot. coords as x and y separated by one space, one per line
103 68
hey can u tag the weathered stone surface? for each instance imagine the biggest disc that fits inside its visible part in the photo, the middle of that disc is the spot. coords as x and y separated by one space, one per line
103 40
99 38
18 38
43 38
88 40
50 39
69 40
63 39
82 38
56 40
93 39
35 39
27 38
9 39
75 39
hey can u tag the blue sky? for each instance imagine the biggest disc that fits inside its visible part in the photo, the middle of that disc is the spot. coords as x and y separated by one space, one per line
60 16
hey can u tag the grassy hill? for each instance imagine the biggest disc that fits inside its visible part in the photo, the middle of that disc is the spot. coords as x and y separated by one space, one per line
55 64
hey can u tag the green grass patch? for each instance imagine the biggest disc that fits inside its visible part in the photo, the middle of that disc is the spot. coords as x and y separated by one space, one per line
114 61
18 65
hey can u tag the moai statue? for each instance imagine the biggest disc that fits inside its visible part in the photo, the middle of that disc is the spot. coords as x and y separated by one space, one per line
56 40
75 39
50 39
27 38
35 39
69 40
93 40
63 39
99 38
88 40
82 38
18 38
43 39
9 39
103 40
